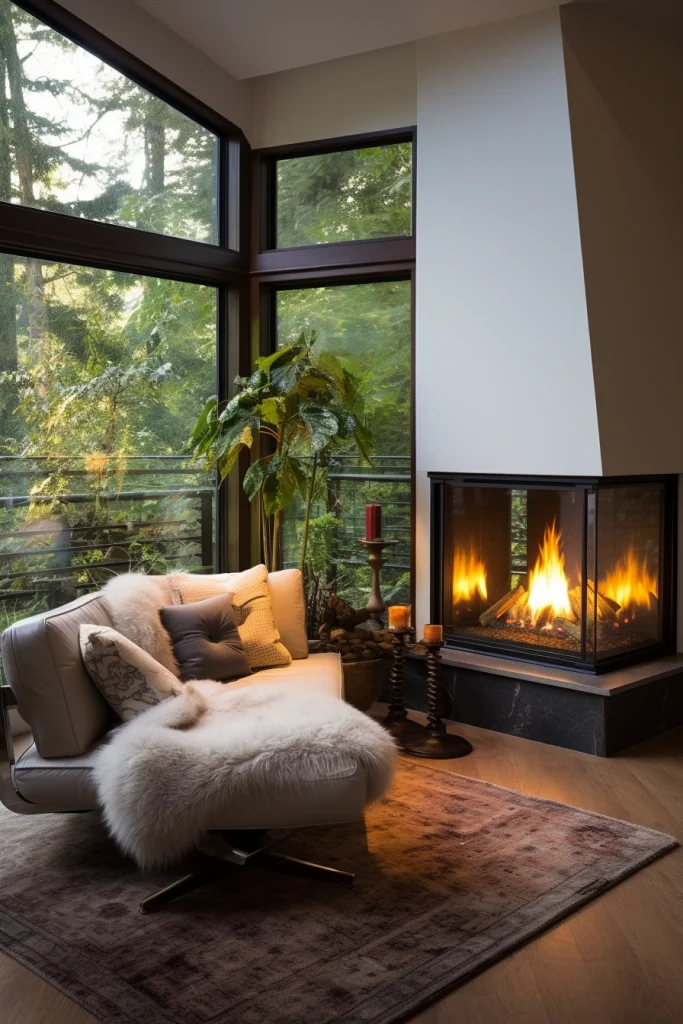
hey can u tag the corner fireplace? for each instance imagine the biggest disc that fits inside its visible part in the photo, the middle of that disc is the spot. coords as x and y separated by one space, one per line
569 571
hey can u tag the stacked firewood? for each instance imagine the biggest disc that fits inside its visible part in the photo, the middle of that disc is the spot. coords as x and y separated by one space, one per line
338 632
513 608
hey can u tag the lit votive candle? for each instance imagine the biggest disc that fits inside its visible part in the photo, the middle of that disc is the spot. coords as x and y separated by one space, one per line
399 616
433 634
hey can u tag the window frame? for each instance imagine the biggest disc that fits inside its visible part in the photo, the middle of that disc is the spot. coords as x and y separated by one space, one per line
29 231
324 265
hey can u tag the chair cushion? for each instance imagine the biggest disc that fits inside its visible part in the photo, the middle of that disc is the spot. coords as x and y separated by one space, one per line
205 639
319 673
67 784
129 679
250 598
41 657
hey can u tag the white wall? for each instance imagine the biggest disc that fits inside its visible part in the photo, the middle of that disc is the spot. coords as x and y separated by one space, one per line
151 41
504 380
365 93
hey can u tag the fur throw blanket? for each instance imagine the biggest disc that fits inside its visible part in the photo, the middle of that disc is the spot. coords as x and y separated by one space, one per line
134 601
168 775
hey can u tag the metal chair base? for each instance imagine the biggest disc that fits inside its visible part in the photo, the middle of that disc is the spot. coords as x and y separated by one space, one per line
233 858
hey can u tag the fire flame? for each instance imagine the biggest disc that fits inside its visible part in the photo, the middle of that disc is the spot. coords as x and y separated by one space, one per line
469 576
548 584
630 583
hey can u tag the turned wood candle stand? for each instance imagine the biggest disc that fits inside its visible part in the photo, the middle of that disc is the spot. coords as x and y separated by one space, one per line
435 741
396 719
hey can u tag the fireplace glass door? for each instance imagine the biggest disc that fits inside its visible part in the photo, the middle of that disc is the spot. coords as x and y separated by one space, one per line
569 574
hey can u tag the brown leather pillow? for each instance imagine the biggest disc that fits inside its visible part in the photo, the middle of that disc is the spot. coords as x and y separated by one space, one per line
205 639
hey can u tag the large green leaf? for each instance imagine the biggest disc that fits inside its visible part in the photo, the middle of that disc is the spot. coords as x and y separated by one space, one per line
322 424
253 478
272 410
281 357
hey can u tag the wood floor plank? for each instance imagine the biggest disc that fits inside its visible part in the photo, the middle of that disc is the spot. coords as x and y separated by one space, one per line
27 999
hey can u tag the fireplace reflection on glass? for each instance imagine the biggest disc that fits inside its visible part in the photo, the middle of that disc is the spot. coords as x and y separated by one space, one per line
572 572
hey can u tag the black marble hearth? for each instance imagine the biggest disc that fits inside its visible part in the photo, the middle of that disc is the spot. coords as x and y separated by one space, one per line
593 714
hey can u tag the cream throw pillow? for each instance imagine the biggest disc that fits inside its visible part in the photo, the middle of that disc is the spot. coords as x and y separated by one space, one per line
129 679
250 598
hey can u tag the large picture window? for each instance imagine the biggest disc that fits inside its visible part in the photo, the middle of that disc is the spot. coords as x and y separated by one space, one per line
115 325
80 138
335 262
368 327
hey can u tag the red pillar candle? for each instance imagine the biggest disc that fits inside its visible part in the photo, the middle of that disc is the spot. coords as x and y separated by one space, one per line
373 522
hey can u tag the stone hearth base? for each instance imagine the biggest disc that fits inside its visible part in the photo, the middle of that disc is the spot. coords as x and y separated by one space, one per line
593 714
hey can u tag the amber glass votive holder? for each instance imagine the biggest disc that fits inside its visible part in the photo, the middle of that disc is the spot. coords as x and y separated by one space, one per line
433 634
399 616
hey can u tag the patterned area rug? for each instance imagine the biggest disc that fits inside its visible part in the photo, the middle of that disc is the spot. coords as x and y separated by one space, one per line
452 874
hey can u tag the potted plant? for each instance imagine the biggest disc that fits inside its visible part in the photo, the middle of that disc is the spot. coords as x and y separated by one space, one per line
295 408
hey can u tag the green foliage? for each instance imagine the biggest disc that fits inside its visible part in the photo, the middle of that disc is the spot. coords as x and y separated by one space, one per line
338 197
301 406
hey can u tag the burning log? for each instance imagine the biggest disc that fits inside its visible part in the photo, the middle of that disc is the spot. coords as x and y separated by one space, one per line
572 628
606 611
497 610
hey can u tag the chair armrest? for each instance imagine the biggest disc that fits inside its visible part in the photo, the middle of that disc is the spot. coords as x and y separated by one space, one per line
7 698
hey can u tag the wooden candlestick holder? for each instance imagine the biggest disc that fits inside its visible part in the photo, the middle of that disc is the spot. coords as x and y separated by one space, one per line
396 720
376 605
435 741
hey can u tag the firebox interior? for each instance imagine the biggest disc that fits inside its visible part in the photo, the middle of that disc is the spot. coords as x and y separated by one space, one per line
578 572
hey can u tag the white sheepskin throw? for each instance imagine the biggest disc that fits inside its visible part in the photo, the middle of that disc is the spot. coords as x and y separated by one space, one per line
168 775
134 600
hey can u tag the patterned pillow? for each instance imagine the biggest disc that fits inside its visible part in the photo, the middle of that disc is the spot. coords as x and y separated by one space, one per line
129 679
250 598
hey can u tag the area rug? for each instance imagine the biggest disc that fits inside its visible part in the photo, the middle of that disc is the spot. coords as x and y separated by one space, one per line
451 874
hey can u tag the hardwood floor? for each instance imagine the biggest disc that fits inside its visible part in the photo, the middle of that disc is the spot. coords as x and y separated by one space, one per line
617 961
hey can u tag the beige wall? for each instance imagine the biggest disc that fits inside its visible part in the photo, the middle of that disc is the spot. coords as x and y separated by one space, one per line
365 93
141 34
625 85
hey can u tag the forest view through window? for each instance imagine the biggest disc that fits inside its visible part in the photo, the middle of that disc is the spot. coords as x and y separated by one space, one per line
368 327
102 372
104 376
80 138
344 196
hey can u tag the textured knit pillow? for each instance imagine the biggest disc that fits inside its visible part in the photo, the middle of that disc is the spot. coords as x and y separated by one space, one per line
129 679
205 639
250 598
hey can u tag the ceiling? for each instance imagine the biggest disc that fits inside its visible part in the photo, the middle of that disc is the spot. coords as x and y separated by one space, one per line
258 37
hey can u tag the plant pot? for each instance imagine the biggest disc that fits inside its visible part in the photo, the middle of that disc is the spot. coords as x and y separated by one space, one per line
363 681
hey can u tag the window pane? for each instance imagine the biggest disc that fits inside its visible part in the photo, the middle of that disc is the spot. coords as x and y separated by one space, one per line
80 138
368 327
339 197
103 376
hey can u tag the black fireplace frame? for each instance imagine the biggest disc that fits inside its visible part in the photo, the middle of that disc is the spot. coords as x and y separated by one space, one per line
588 484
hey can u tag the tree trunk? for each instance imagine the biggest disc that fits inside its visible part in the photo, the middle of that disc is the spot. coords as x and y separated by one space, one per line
155 147
8 317
21 133
20 136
